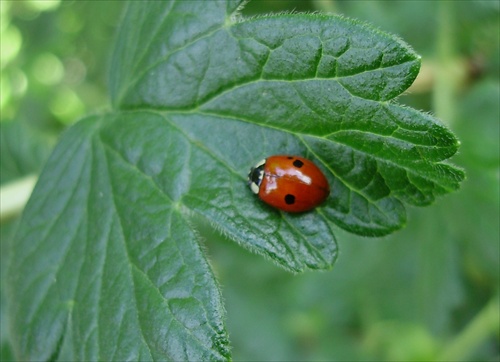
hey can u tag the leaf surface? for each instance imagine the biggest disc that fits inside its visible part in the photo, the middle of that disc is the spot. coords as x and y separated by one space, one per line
313 85
107 264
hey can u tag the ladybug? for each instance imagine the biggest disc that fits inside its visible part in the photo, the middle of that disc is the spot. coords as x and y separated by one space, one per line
289 183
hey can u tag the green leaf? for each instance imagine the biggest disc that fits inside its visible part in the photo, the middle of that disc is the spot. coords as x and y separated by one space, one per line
107 265
313 85
23 150
157 31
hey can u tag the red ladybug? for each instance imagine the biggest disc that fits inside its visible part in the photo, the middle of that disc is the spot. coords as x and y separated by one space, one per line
289 183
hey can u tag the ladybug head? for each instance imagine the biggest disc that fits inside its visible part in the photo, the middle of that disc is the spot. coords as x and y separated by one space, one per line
255 176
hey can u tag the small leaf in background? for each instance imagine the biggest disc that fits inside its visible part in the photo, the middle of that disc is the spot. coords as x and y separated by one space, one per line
23 150
107 263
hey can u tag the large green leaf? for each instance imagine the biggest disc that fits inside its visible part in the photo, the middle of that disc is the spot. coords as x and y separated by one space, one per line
106 264
305 84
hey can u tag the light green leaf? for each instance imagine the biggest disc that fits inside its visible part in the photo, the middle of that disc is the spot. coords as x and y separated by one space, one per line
23 150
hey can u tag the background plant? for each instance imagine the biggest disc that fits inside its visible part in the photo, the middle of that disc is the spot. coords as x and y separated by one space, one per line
440 270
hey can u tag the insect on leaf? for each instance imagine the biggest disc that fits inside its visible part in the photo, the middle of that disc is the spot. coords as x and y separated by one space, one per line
107 264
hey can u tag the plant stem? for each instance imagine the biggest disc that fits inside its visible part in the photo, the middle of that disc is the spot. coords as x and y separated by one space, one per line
449 71
327 6
486 323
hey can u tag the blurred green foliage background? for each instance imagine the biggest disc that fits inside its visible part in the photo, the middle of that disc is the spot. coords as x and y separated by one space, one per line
428 292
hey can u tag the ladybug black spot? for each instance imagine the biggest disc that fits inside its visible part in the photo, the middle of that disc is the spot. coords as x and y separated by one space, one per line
289 199
298 163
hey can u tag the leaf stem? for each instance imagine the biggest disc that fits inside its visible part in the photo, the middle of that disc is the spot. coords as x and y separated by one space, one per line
476 332
449 70
327 6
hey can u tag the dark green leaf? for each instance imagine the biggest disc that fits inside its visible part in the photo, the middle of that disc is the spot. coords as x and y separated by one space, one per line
158 31
311 85
107 266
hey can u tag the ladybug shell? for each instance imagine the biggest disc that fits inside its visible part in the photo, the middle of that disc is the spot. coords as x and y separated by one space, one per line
292 183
